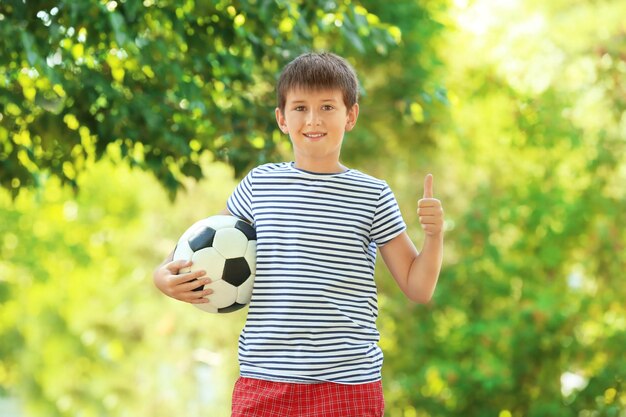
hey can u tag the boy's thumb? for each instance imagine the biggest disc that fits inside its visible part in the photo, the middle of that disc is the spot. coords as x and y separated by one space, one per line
176 266
428 186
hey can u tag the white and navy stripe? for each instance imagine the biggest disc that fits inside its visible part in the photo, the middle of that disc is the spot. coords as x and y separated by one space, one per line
313 311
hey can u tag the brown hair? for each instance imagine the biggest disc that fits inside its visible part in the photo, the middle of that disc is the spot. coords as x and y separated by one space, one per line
318 70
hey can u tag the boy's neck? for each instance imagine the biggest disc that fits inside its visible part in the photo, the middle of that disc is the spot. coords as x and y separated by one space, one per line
334 167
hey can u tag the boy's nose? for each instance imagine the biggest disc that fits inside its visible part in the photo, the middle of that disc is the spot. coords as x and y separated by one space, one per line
313 119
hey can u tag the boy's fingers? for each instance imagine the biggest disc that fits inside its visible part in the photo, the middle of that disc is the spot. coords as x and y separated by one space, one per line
194 283
428 220
428 211
188 276
428 202
176 266
199 297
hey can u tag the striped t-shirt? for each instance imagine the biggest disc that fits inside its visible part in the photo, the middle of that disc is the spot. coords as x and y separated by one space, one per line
313 311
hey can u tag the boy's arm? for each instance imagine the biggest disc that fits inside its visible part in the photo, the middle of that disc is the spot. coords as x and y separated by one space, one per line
417 272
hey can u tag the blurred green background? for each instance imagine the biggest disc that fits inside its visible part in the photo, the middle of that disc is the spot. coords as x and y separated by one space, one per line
122 122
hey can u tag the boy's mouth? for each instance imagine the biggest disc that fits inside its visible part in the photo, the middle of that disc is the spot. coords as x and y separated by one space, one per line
314 135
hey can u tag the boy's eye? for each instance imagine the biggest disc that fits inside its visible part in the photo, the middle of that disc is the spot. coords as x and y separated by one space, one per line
327 107
299 108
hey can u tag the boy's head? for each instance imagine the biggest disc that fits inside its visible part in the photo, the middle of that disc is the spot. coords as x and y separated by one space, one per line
318 71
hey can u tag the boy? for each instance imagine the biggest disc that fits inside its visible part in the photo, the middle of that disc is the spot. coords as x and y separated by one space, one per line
309 346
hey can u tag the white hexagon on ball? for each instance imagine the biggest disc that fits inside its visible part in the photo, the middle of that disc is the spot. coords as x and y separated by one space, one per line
244 292
231 243
209 260
250 255
183 252
223 295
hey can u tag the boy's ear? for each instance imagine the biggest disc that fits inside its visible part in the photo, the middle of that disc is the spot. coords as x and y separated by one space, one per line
353 114
280 119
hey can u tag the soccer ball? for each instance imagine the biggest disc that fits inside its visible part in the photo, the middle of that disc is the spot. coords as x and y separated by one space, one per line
225 247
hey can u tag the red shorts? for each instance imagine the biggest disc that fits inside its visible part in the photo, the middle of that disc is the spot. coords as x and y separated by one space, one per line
258 398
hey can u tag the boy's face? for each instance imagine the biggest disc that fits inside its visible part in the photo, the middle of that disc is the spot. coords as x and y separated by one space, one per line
316 121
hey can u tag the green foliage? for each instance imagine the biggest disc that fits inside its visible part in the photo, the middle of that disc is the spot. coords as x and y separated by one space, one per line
403 93
83 331
532 175
162 80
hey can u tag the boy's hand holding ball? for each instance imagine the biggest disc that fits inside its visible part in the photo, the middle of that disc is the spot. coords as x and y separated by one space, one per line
173 280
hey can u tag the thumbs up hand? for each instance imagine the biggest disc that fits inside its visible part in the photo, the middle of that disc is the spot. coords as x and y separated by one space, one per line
429 210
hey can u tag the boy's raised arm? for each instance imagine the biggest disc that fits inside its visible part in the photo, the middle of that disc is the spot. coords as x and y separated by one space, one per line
417 272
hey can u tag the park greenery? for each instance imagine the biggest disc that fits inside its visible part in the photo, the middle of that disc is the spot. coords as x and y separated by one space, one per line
122 122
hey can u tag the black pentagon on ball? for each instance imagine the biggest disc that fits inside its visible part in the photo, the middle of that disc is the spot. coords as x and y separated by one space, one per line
231 308
246 229
203 238
236 271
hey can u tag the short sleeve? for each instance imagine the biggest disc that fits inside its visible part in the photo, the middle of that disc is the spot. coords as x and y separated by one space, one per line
388 222
240 201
